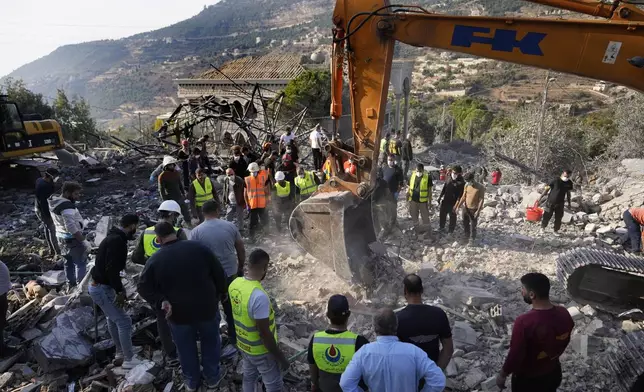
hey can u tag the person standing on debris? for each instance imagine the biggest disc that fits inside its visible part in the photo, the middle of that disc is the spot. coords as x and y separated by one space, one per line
256 330
44 189
289 169
201 190
183 156
558 191
188 290
147 245
496 176
384 148
234 198
419 195
5 286
316 147
472 200
634 219
257 193
406 154
539 337
238 163
69 225
286 139
389 364
331 350
424 325
269 164
392 174
450 194
204 160
225 242
395 146
170 187
107 291
283 202
306 183
194 163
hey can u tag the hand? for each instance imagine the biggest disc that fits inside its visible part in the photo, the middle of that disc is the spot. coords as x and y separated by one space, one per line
167 309
120 299
500 381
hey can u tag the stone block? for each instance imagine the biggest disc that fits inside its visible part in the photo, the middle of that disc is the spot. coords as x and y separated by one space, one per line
575 313
517 197
474 377
590 228
604 230
530 198
586 345
581 217
5 381
53 278
594 218
488 213
588 310
490 203
451 370
514 214
472 296
567 218
596 327
616 193
102 228
489 385
463 333
631 326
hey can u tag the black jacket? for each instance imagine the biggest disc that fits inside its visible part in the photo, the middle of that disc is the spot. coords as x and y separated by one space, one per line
240 167
406 154
44 189
188 275
110 260
453 190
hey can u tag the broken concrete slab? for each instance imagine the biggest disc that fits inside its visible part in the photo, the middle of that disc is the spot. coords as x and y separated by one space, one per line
567 218
463 333
489 385
53 278
5 380
474 377
594 218
590 228
575 313
604 230
472 296
586 345
102 228
451 370
588 310
31 334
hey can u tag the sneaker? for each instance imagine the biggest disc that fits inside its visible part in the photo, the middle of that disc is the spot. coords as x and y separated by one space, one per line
188 389
132 363
135 350
556 234
228 351
222 375
172 362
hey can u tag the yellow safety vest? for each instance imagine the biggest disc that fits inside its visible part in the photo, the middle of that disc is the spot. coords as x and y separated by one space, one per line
383 144
332 353
202 195
307 184
248 339
150 244
283 191
393 147
424 187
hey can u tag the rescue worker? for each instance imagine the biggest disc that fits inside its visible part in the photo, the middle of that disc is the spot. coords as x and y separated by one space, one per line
384 147
558 191
419 195
201 190
395 146
248 155
257 194
238 163
289 169
330 167
316 146
170 187
306 183
194 163
472 199
442 173
44 189
634 219
350 167
255 327
69 231
204 160
406 154
234 198
450 194
283 204
331 350
184 155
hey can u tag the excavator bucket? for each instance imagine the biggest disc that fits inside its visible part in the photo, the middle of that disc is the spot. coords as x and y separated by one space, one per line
338 227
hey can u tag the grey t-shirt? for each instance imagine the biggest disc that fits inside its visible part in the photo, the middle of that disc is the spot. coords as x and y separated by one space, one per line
219 236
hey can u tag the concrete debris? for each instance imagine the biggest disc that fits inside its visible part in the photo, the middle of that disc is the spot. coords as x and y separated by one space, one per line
590 228
472 296
474 377
463 334
575 313
586 345
5 380
489 385
588 310
631 326
53 278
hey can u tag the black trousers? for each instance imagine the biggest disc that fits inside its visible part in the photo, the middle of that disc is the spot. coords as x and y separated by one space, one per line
163 329
228 312
557 210
634 231
318 160
469 222
4 305
257 215
546 383
447 208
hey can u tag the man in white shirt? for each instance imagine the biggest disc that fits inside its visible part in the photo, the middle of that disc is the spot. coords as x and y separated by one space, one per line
316 147
285 139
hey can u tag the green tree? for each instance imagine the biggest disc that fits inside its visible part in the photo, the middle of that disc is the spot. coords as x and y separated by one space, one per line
28 102
75 118
311 89
472 118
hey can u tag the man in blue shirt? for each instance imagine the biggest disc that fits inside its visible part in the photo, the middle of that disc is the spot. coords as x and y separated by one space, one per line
388 365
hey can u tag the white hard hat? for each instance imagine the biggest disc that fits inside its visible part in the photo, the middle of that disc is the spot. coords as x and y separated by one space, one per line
168 160
170 206
253 167
279 176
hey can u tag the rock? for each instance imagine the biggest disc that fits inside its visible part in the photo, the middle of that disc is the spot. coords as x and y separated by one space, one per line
616 193
530 198
489 385
596 327
488 213
590 228
517 198
458 353
31 334
588 310
567 218
581 217
463 333
599 198
507 198
451 370
575 313
53 278
474 377
472 296
605 230
490 203
586 345
514 214
5 380
522 238
102 228
631 326
594 218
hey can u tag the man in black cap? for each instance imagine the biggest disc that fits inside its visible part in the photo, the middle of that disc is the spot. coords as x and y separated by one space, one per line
44 189
330 351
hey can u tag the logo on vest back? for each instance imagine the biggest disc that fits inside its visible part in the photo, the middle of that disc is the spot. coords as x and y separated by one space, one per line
155 244
332 354
235 301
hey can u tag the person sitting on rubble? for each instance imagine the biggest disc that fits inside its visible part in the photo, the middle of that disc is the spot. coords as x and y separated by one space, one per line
185 280
539 337
69 231
107 290
331 350
170 187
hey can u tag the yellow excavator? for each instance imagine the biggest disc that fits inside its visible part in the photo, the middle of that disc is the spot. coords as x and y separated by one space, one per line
22 136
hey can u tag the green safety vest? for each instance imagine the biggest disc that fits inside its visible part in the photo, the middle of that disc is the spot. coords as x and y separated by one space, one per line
248 339
383 144
393 147
333 352
150 244
202 195
283 191
424 187
307 184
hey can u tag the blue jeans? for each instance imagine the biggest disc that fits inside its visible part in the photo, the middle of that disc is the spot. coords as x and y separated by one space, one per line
75 260
634 231
119 323
185 338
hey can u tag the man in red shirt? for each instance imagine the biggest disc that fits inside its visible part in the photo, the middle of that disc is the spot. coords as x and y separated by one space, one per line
496 176
539 337
634 219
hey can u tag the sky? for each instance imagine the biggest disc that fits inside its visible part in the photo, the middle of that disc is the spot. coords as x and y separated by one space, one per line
31 29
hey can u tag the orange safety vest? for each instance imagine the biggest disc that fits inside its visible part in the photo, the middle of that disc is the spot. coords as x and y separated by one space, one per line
255 186
349 168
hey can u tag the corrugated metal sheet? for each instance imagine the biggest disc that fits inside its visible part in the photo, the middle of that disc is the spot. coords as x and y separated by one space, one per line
271 66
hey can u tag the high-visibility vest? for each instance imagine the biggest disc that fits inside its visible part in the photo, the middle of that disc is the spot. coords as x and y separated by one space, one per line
307 184
383 144
393 147
255 186
283 191
150 244
248 339
327 168
424 187
202 195
332 353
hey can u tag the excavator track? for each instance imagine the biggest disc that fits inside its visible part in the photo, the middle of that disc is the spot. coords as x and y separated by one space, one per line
606 280
627 361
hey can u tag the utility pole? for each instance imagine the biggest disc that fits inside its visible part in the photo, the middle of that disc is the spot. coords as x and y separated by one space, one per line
443 115
537 160
140 127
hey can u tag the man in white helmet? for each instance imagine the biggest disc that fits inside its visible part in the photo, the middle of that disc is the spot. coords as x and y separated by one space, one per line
147 245
171 187
283 204
257 194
